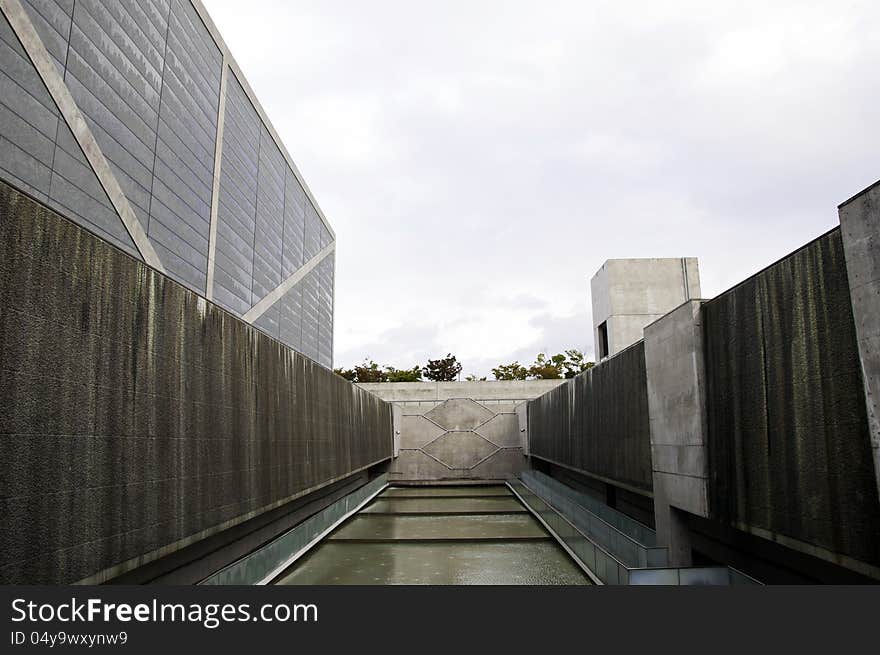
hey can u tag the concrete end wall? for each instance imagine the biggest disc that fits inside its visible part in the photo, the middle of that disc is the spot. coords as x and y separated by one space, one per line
137 418
498 390
468 431
860 230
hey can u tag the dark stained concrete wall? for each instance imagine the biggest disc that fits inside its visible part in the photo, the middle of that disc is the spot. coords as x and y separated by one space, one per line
597 423
135 417
788 446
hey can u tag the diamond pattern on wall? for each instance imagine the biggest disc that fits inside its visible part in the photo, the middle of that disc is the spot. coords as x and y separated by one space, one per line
459 414
416 431
502 430
460 450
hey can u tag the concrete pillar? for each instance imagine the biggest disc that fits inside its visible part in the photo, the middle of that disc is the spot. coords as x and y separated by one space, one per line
677 414
522 417
860 230
396 428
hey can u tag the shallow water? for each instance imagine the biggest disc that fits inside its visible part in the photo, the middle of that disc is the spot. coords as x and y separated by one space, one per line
438 535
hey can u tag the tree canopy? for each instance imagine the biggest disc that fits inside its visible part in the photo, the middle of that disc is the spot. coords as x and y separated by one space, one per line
446 369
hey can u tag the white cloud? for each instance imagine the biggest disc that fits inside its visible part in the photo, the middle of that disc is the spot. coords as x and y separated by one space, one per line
480 160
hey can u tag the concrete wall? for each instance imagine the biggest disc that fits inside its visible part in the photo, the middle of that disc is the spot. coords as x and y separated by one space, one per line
137 418
502 392
459 430
788 442
628 294
597 423
759 437
675 371
860 231
134 120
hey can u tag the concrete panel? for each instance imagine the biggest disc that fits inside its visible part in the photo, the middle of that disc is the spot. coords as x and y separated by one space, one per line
460 450
504 464
498 406
675 373
183 169
416 465
860 232
417 431
502 430
236 213
459 414
51 19
510 390
269 218
294 225
679 491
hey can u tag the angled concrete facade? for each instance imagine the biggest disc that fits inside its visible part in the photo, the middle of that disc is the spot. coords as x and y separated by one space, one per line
133 119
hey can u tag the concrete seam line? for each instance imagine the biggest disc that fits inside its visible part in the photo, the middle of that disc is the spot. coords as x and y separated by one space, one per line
208 22
443 434
497 450
215 193
441 463
275 295
36 51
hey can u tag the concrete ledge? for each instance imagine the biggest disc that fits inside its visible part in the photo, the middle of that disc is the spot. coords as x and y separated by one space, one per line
495 390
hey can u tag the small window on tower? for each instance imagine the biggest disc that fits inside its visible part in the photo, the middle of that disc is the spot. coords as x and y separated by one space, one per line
603 340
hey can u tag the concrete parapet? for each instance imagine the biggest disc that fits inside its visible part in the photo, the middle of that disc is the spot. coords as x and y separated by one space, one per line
513 390
448 431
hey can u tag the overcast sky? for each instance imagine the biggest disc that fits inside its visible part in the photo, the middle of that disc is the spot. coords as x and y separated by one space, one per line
480 160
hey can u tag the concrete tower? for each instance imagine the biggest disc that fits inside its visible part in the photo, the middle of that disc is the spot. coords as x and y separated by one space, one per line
628 294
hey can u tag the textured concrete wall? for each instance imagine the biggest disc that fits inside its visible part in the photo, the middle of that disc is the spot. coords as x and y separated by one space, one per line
137 418
161 148
597 423
459 430
628 294
860 230
788 444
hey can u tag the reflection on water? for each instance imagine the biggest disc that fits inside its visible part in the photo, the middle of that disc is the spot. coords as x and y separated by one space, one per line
438 535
